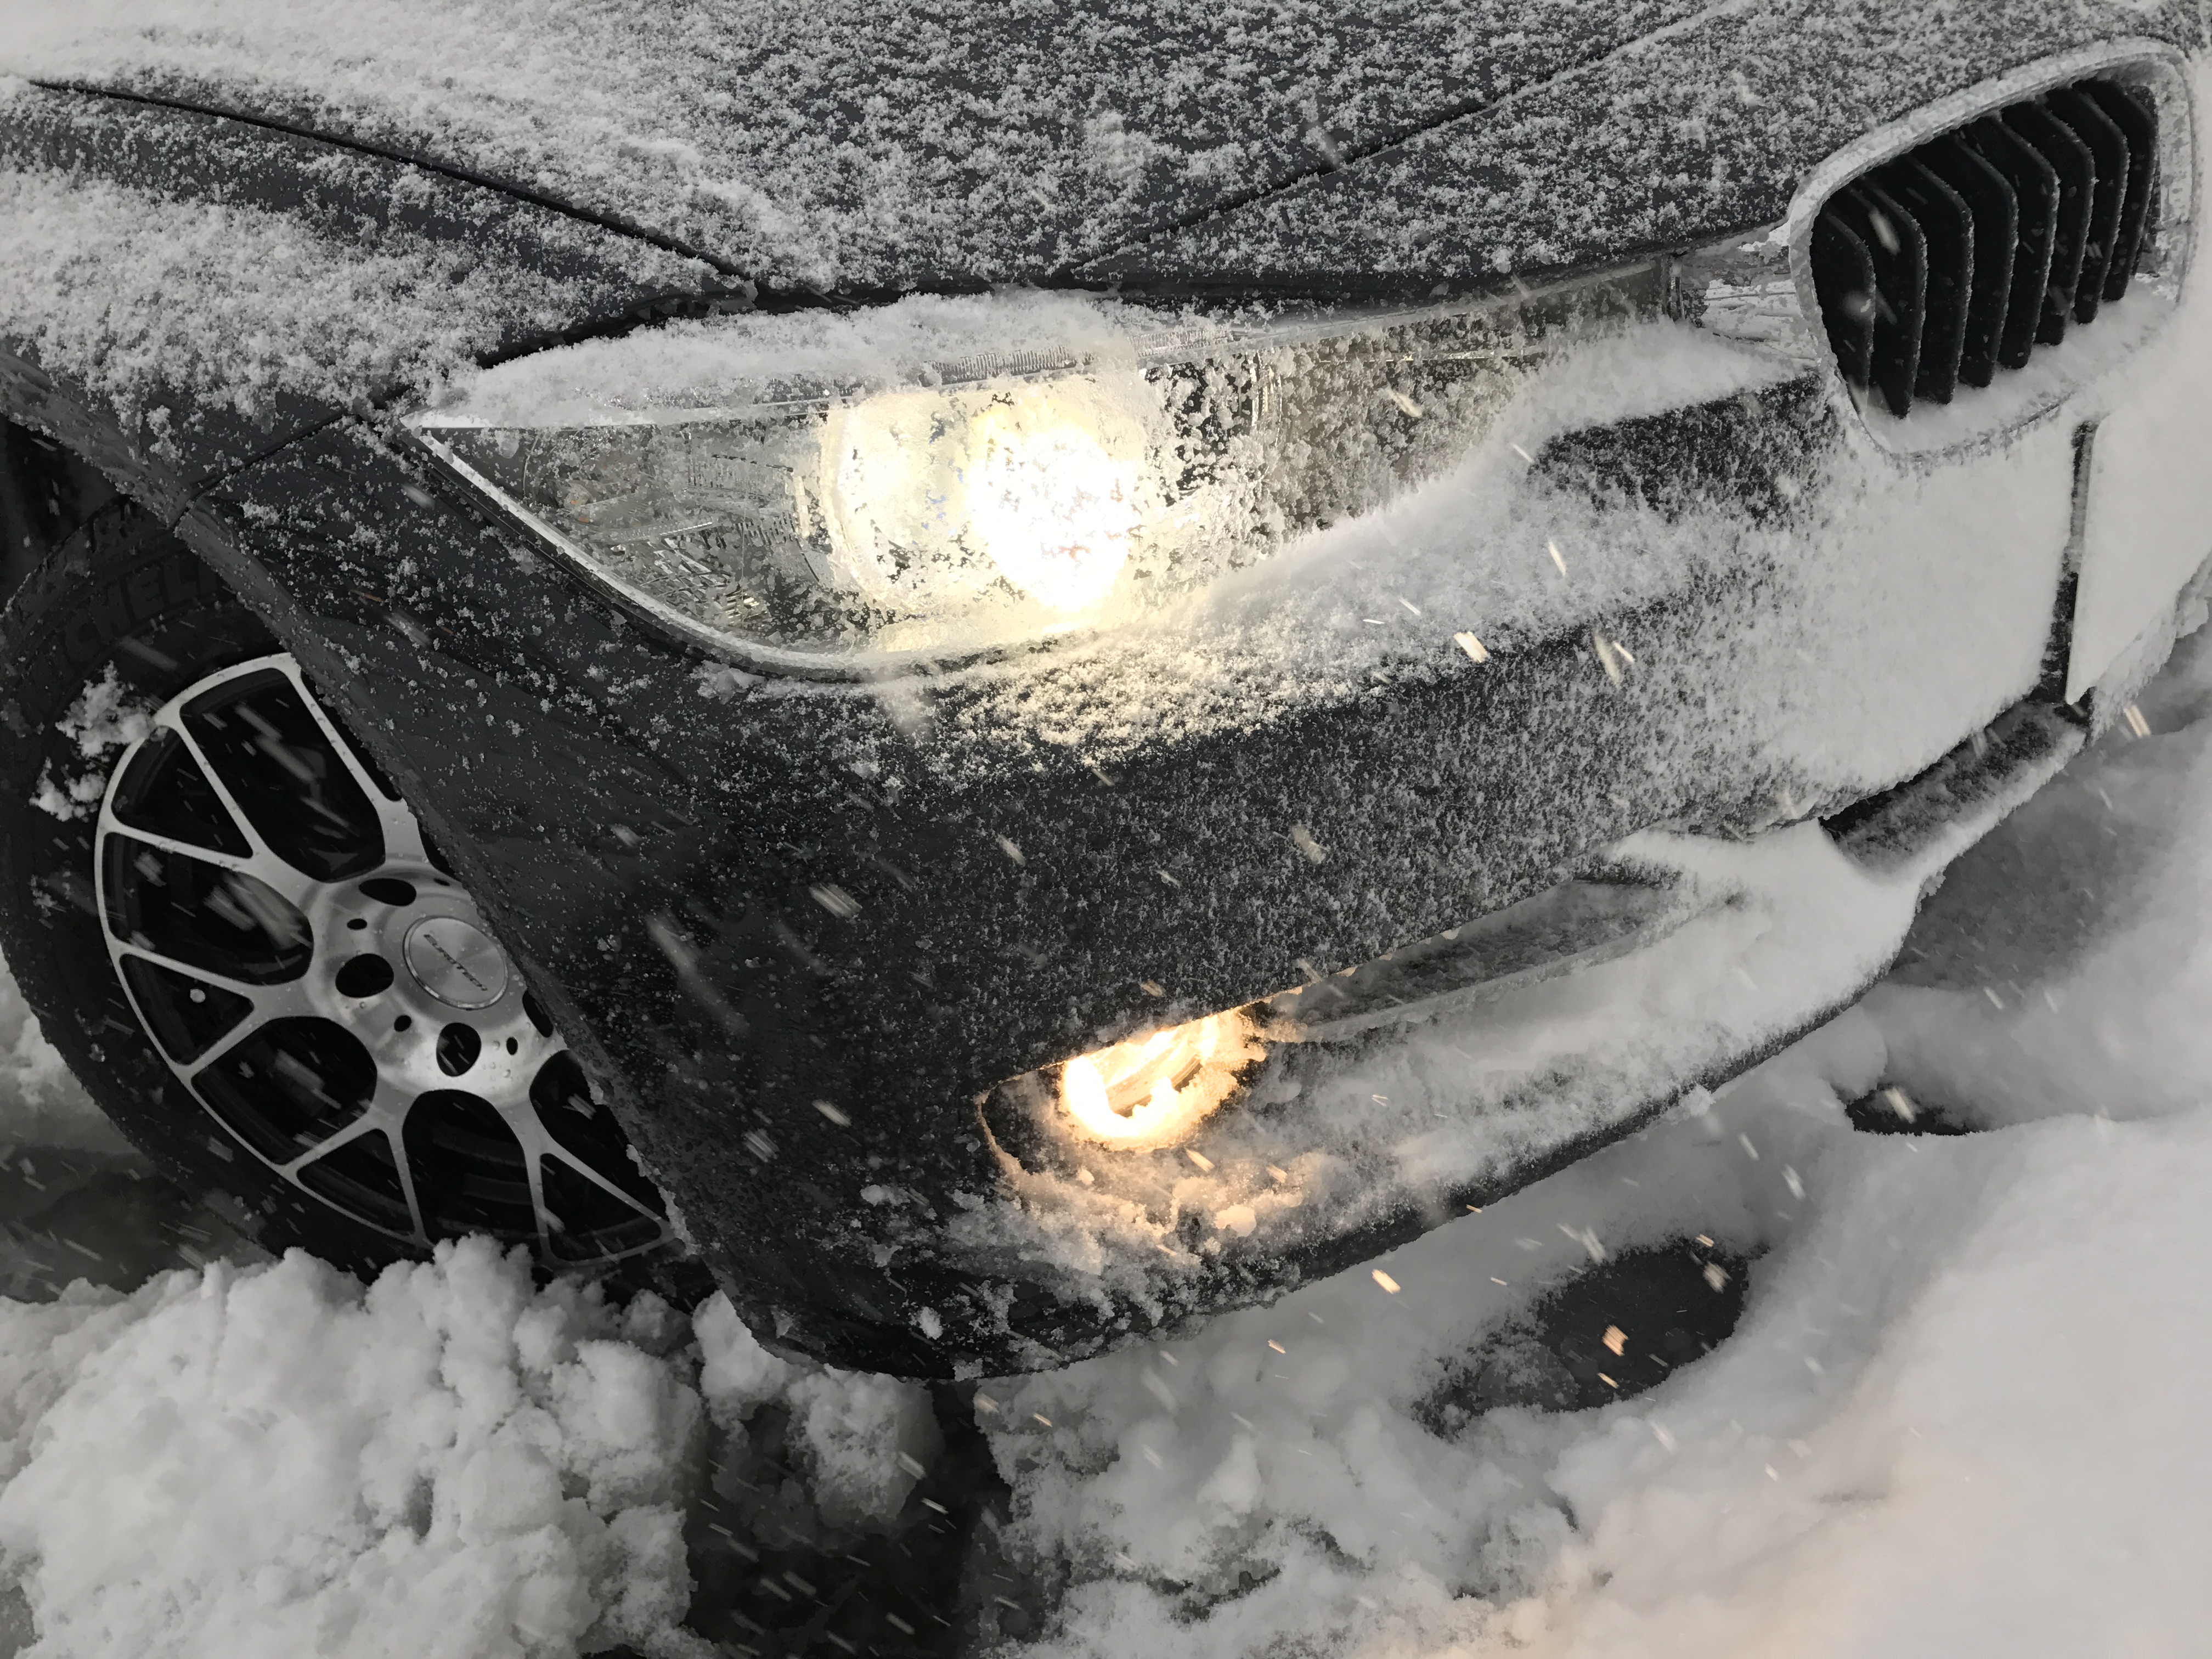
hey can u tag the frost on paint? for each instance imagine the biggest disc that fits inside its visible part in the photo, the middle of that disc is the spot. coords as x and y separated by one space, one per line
145 296
876 145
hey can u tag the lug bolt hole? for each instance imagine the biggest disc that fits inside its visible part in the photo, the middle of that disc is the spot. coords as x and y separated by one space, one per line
458 1049
389 889
357 924
364 976
402 1022
512 1047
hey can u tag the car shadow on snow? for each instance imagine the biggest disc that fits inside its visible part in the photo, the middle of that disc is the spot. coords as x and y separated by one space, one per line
1573 1349
772 1584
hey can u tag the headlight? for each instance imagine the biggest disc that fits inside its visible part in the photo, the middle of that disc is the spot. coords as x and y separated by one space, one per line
814 508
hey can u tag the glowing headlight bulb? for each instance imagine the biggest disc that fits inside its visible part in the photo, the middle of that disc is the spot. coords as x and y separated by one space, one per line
936 494
1050 505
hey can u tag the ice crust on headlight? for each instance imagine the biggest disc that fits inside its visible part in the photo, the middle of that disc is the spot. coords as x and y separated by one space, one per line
948 475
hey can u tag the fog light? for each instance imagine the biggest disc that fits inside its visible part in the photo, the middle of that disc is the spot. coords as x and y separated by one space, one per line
1153 1090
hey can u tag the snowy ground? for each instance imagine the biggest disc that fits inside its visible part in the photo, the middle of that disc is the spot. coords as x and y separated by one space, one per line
1951 1403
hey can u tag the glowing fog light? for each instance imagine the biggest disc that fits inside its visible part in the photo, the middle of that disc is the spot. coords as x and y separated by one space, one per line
1153 1090
936 495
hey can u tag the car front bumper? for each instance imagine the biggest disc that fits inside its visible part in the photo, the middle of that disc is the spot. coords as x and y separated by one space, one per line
807 931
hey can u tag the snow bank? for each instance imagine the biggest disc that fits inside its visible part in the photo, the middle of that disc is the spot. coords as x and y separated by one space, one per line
1958 1416
273 1461
268 1459
1980 1441
859 1441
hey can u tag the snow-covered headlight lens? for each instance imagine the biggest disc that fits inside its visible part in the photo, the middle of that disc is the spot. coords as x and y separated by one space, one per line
1094 460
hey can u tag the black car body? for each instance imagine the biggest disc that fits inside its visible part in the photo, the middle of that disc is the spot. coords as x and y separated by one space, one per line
1608 760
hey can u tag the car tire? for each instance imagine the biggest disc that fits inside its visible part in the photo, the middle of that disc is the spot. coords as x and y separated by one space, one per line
120 623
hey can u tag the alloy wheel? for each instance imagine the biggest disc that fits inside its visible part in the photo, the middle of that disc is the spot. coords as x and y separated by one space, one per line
332 996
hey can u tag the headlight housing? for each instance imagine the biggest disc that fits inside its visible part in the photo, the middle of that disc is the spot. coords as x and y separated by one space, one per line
835 498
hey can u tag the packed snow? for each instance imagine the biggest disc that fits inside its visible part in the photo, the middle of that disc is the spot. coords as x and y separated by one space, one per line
1957 1412
105 718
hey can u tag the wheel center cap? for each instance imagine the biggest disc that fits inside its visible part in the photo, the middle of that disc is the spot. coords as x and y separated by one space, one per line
455 962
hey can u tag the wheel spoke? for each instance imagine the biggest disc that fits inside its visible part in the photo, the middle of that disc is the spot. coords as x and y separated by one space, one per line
371 1123
388 1105
403 835
366 1124
207 975
264 854
387 1110
267 1010
560 1155
261 865
540 1211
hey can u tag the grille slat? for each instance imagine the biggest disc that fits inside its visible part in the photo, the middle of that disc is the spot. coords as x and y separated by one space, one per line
1965 254
1842 267
1894 240
2034 183
2108 152
1993 210
2139 126
1947 230
2053 140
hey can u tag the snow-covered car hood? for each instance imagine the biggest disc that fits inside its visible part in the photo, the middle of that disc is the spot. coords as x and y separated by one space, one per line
852 145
